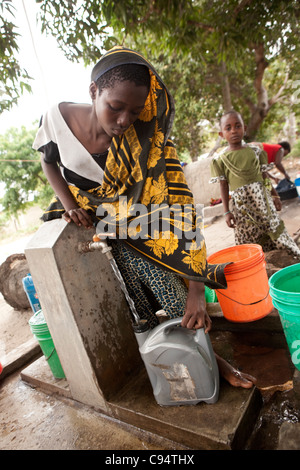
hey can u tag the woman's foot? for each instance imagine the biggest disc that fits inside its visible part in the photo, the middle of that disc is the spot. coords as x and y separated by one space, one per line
233 376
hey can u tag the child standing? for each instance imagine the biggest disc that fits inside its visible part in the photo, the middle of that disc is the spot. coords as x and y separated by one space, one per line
241 169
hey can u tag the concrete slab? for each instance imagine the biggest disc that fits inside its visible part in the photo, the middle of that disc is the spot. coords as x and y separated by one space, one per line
226 424
85 310
31 419
20 356
38 374
258 348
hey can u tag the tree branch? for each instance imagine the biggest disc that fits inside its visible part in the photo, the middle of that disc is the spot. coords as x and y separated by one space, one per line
241 6
204 26
275 98
261 65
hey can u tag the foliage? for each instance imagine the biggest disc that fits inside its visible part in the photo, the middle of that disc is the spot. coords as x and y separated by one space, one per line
14 79
213 55
295 152
20 171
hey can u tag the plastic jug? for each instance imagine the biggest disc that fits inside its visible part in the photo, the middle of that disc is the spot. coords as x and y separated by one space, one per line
31 293
180 363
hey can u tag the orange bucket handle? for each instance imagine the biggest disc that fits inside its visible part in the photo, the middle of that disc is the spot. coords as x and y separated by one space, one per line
252 303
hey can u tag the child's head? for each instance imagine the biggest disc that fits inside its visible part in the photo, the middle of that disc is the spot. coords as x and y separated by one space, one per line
232 127
286 147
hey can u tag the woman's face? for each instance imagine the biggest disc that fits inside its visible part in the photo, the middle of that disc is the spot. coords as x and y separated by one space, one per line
118 107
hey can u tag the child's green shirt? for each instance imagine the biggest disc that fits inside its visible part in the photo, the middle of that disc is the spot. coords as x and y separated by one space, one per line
239 167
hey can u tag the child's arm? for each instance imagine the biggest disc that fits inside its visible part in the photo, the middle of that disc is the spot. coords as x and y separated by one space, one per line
274 194
278 163
229 217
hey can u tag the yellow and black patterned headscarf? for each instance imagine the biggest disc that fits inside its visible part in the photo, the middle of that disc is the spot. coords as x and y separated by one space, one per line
144 190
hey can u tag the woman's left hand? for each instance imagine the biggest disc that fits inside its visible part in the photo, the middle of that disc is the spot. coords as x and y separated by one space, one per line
196 315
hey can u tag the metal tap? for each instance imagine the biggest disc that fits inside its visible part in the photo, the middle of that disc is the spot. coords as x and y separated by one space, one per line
96 244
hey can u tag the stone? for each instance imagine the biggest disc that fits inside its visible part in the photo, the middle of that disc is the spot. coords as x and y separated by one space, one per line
12 271
289 436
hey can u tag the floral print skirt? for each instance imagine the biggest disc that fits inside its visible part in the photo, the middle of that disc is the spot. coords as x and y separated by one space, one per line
150 287
257 220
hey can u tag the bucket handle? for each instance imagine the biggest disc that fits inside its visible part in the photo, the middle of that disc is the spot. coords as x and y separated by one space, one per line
240 303
47 358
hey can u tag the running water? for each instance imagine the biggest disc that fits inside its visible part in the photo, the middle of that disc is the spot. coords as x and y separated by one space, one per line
98 244
124 289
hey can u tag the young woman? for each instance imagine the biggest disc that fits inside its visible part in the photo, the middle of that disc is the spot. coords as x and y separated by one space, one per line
119 147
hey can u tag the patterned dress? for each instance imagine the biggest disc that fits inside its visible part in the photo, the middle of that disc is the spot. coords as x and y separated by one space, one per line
257 220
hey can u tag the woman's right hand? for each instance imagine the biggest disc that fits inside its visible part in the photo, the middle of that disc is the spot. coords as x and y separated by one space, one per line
79 216
230 220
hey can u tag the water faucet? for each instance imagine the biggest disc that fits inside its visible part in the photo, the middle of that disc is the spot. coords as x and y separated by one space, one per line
96 244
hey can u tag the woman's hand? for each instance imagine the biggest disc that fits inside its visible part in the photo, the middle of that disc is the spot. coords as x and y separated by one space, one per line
196 315
73 213
79 216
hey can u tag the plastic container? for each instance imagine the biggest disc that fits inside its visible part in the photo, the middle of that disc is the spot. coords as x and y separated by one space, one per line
286 189
285 293
180 362
31 293
210 295
247 296
40 330
297 184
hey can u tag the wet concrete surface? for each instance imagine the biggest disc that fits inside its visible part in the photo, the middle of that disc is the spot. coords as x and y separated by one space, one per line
31 419
38 417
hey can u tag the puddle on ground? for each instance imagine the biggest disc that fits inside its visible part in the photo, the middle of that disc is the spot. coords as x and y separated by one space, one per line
261 354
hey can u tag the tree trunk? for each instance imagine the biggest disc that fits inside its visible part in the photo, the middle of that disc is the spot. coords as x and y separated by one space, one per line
261 109
227 104
291 128
195 147
12 271
255 122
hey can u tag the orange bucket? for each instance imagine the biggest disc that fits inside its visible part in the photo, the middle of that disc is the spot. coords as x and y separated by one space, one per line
247 296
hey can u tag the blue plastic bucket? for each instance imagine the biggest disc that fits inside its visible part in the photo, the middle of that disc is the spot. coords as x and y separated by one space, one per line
297 184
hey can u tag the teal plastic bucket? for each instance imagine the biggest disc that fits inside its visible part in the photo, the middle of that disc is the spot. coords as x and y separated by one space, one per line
210 295
285 294
40 330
